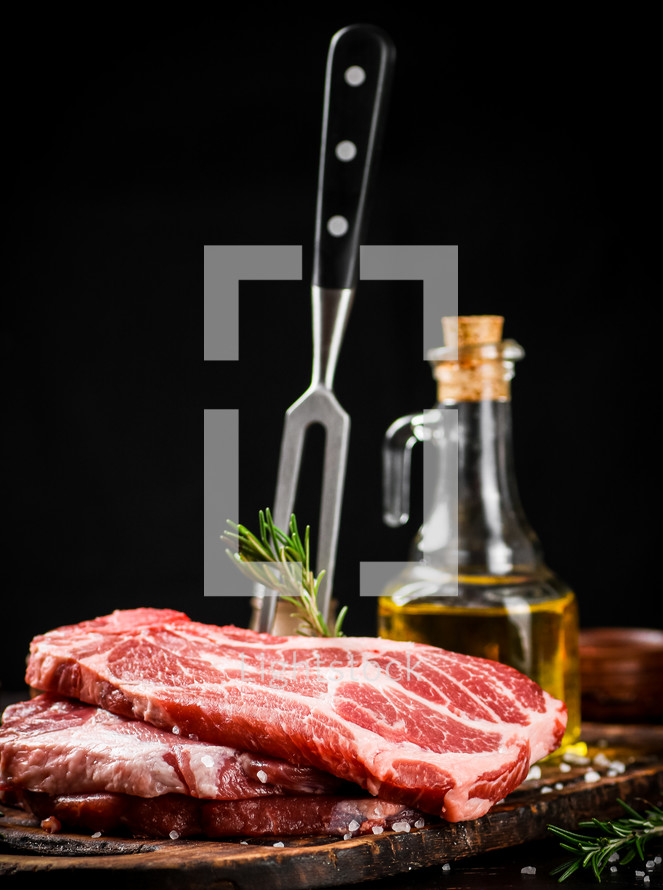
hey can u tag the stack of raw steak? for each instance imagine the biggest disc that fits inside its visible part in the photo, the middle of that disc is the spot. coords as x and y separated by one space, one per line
164 726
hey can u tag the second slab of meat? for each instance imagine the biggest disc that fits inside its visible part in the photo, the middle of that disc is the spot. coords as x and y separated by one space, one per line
53 745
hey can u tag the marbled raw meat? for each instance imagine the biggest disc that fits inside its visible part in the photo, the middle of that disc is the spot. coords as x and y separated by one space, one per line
446 733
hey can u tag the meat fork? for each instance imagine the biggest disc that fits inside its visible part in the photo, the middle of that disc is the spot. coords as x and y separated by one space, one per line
357 81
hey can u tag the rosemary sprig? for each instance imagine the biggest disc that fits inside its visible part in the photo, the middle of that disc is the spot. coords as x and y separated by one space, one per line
275 546
626 836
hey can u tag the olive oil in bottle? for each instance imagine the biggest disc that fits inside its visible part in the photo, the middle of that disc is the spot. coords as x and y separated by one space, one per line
477 582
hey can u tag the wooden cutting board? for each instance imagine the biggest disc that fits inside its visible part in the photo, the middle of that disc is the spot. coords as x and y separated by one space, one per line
327 862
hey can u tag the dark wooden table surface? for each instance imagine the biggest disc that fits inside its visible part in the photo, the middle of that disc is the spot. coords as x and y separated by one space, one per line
500 869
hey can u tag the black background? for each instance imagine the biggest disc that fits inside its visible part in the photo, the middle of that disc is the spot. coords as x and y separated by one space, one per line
529 144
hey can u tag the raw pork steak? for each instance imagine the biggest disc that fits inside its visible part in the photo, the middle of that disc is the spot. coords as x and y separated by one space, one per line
175 815
446 733
54 745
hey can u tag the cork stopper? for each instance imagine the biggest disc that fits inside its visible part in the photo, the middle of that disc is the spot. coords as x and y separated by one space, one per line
472 330
472 366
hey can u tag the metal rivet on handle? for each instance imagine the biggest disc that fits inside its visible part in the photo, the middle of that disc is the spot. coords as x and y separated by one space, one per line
346 150
354 75
337 226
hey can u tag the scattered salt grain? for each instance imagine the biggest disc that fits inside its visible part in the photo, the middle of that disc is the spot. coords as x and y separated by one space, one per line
559 786
546 789
614 857
639 874
658 860
534 773
612 773
613 868
173 835
175 730
96 834
419 823
601 760
262 775
279 844
400 826
206 760
446 867
650 863
591 776
244 843
353 826
565 767
576 759
528 870
618 765
346 837
377 829
645 880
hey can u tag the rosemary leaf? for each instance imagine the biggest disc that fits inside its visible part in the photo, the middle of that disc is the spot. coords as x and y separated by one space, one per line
627 836
285 551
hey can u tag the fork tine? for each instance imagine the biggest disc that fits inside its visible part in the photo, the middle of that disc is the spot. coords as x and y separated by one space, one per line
292 446
336 449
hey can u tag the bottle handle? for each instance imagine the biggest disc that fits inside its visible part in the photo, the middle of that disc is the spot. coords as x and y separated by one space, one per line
400 438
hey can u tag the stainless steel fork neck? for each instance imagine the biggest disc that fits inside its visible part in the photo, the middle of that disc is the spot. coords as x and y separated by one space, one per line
330 310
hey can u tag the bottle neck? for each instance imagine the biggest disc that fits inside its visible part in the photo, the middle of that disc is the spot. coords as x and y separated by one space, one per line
493 535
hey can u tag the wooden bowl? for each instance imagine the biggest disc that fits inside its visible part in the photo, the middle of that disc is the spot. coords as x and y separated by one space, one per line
620 674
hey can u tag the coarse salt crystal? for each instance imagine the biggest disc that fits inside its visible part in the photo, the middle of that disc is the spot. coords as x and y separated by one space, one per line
377 829
565 767
528 870
546 789
618 765
353 826
245 843
613 868
639 874
279 844
173 835
614 857
658 860
400 826
262 775
612 773
96 834
559 786
576 759
534 773
206 760
650 863
645 880
175 730
346 837
446 867
591 776
601 760
419 823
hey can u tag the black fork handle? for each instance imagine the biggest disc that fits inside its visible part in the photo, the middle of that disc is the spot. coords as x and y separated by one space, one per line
357 85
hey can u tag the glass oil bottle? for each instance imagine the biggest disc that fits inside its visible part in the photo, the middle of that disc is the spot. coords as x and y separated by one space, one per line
499 599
